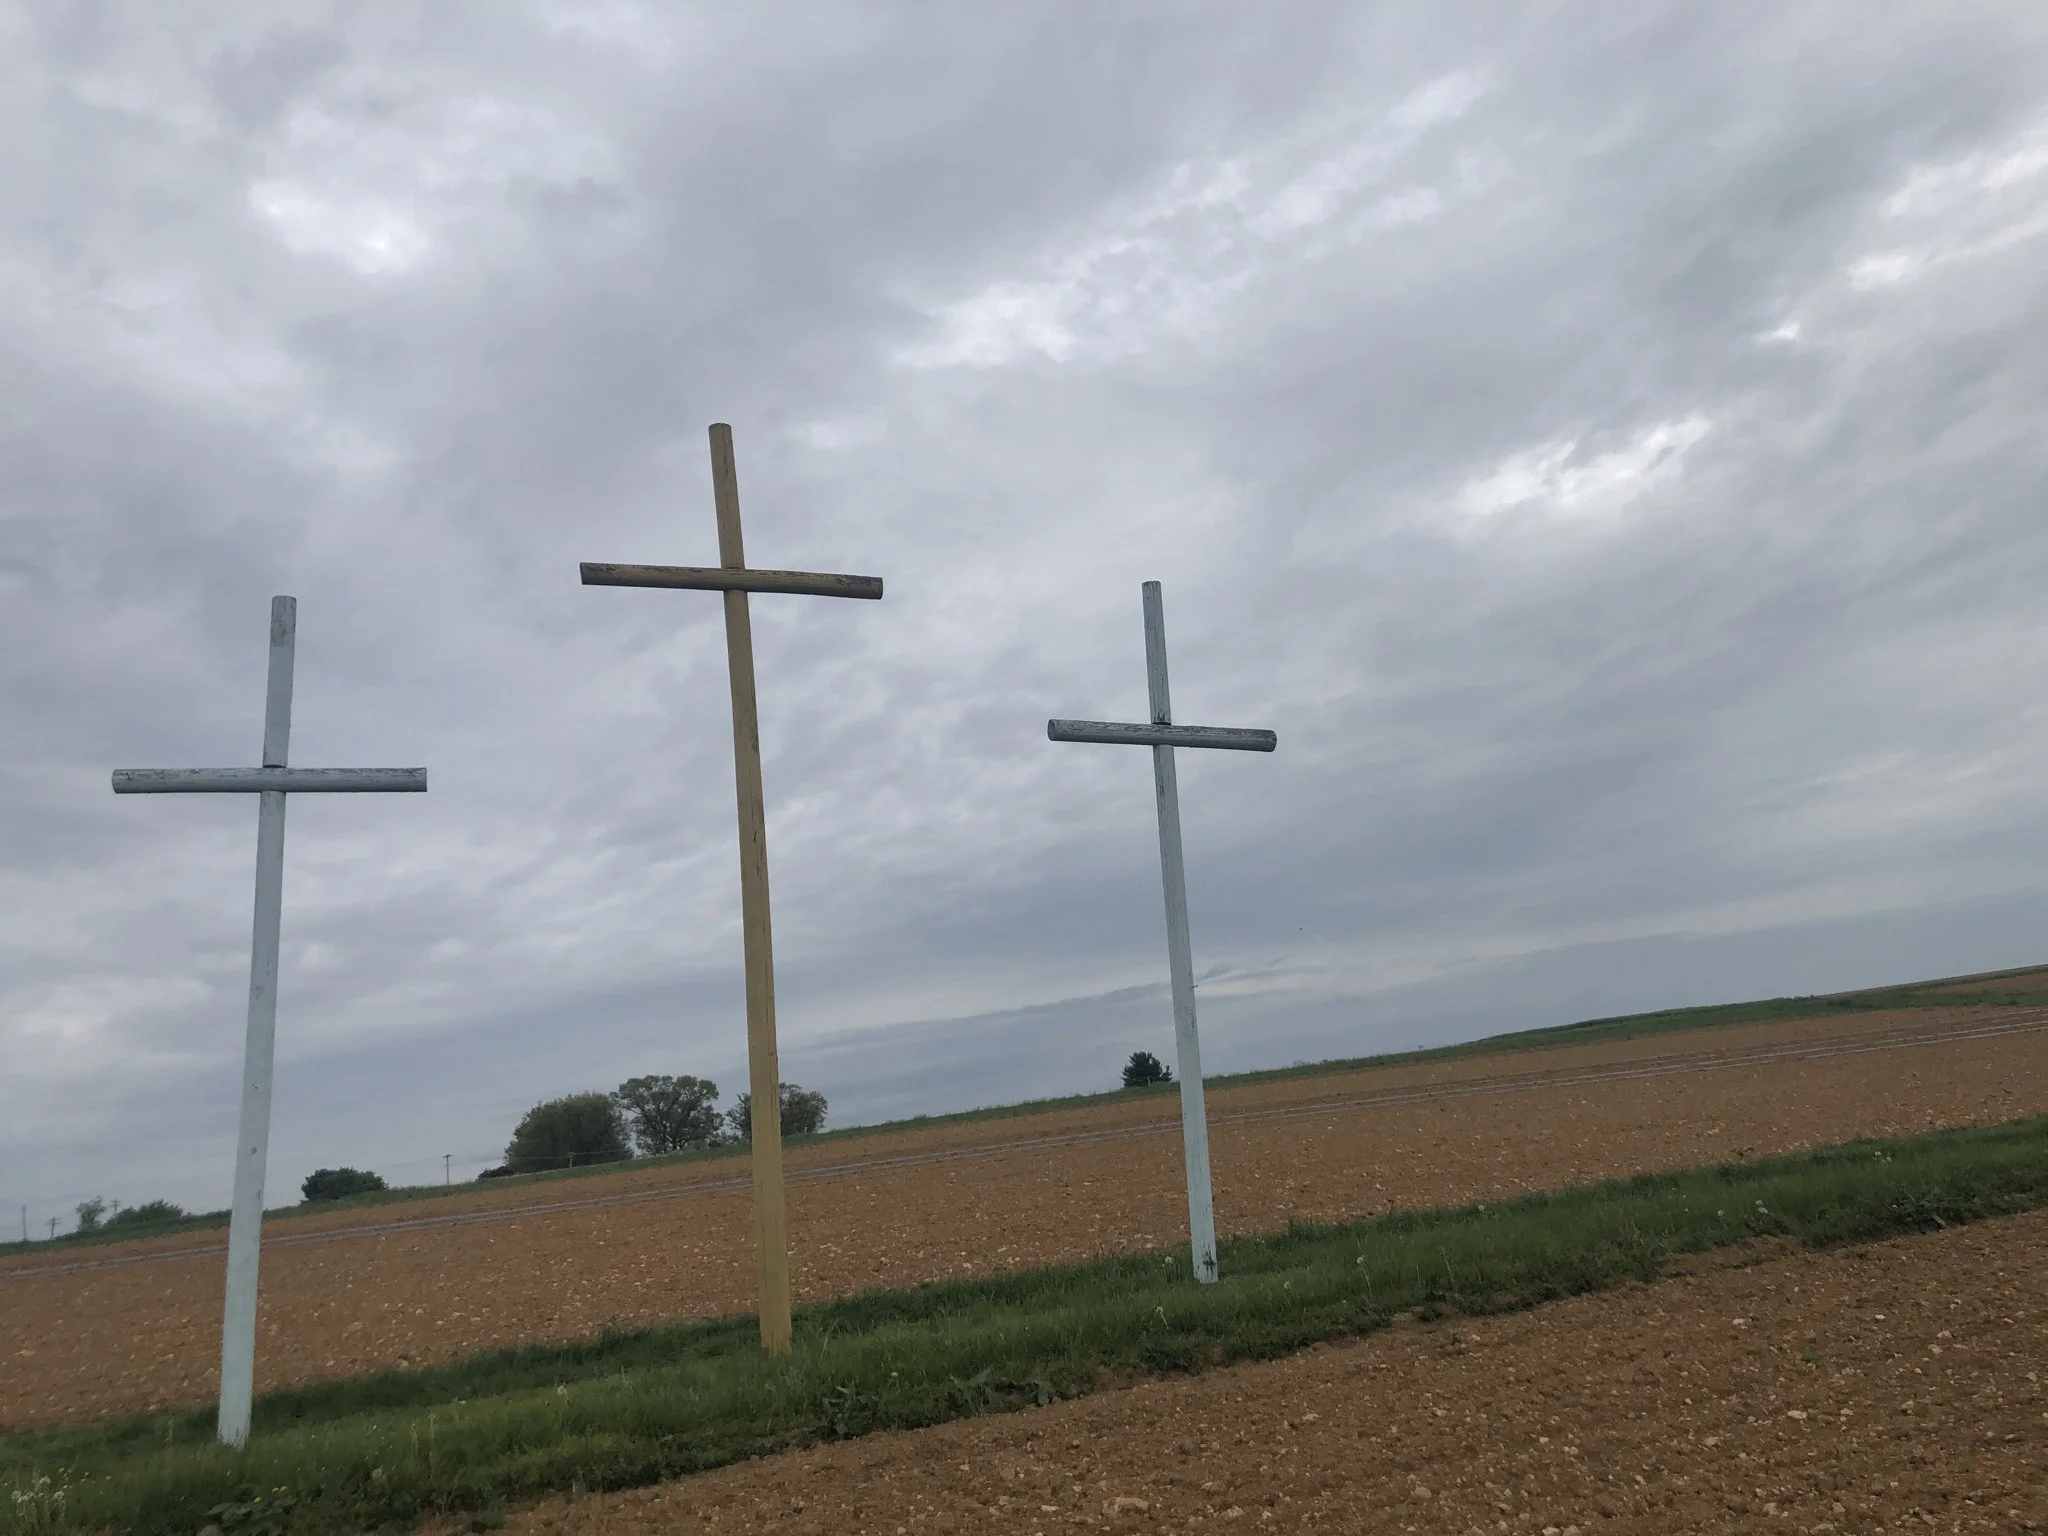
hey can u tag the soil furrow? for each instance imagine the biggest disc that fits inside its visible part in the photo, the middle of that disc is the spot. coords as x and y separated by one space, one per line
1899 1387
135 1336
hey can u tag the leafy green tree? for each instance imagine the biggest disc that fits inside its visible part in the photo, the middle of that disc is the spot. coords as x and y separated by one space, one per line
146 1214
1144 1068
91 1213
668 1114
338 1184
803 1114
803 1111
569 1132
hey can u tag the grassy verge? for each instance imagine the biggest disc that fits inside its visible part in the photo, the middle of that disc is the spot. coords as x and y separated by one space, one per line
633 1408
1925 994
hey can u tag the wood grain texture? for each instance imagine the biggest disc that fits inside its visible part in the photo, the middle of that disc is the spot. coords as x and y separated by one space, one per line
1113 733
209 781
731 577
771 1220
713 578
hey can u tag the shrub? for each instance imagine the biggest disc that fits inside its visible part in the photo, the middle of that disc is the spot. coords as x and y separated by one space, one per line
569 1132
499 1172
338 1184
146 1214
670 1113
1144 1068
803 1114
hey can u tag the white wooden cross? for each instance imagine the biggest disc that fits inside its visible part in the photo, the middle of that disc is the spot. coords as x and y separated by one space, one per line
273 781
1162 736
764 1085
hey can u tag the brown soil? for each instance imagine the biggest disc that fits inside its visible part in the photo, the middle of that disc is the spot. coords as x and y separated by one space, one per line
145 1334
2032 979
1898 1387
1137 1110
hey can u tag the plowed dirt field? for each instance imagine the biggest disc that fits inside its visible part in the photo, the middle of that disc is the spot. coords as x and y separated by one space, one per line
88 1331
1894 1388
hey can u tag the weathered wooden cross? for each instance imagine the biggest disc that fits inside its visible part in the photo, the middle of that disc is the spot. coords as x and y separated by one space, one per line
273 781
732 577
1162 736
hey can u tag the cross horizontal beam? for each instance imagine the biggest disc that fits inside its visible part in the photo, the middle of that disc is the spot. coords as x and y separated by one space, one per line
1227 736
715 578
204 781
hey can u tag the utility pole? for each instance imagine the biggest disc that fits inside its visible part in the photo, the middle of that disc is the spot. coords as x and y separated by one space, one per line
447 1168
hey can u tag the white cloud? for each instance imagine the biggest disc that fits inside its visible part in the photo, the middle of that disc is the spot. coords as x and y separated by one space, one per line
369 235
378 187
1210 230
837 434
1944 188
1554 478
1960 210
646 32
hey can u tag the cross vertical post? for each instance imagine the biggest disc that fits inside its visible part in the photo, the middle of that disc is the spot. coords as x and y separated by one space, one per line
1180 961
1162 735
252 1142
764 1068
732 577
270 783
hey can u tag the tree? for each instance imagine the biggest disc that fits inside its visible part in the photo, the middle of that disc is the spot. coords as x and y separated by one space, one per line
1143 1069
670 1113
803 1114
91 1213
338 1184
146 1214
569 1132
803 1111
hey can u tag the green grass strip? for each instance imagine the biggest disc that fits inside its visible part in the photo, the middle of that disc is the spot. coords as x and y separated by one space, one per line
633 1408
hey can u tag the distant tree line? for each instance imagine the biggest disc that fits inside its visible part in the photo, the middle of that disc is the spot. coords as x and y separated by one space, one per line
644 1116
101 1215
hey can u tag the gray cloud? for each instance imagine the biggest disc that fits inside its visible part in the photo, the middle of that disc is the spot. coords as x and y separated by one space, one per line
1601 445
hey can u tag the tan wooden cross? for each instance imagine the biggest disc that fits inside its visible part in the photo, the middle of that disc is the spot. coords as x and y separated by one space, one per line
732 577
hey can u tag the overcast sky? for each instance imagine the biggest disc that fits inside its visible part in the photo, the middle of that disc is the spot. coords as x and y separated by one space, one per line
1604 442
